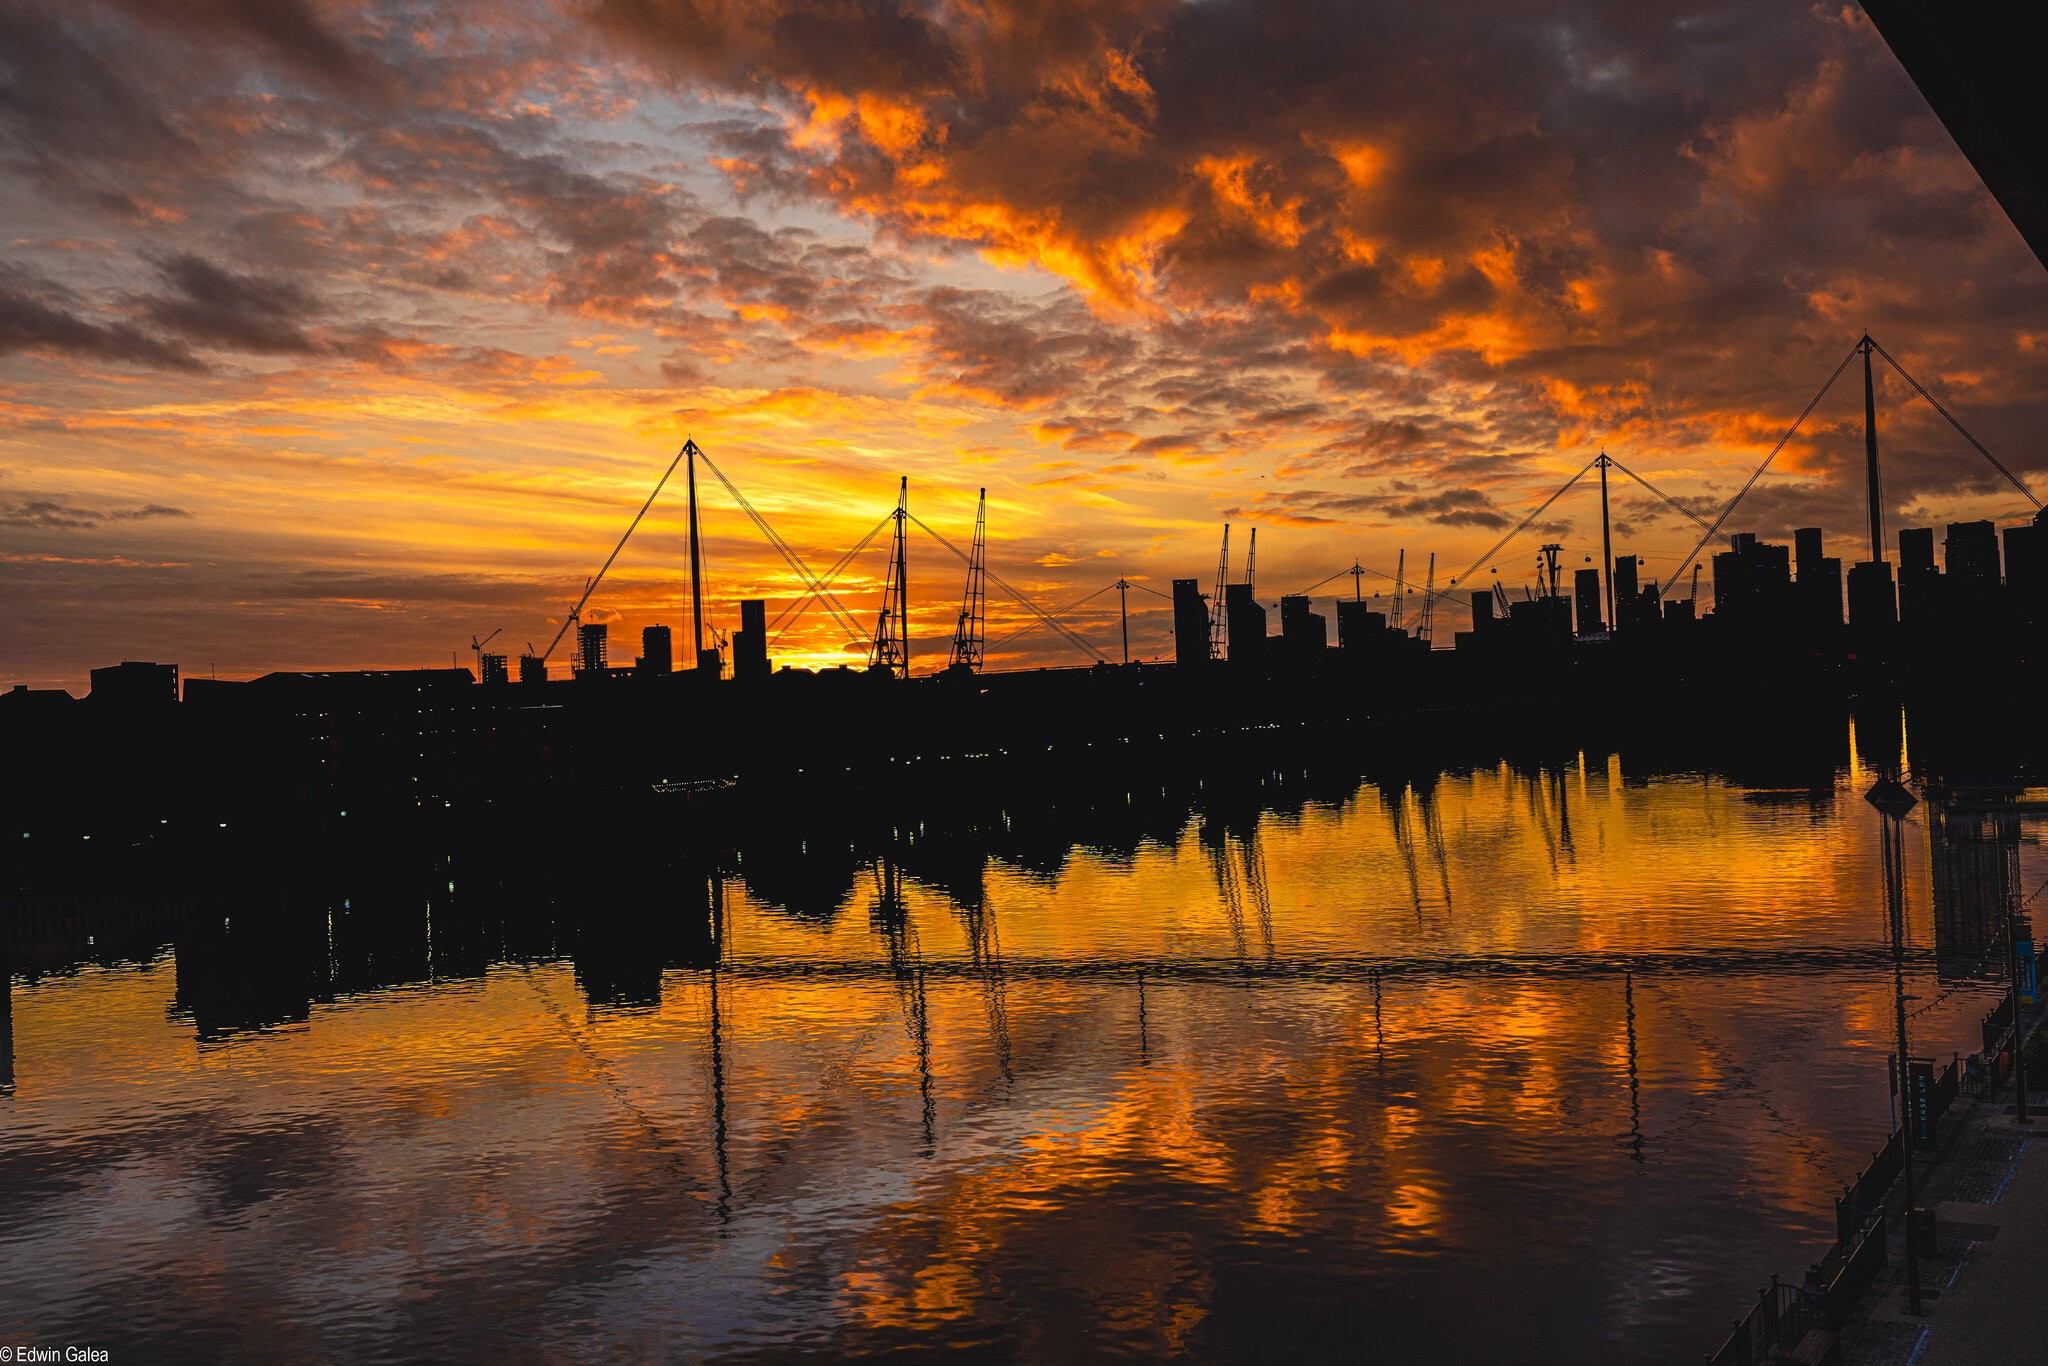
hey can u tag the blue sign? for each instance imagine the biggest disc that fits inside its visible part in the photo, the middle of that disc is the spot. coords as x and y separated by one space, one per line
2029 977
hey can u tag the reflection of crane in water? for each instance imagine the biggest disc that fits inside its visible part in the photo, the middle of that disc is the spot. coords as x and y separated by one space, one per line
1557 841
1394 801
985 950
1235 882
1433 831
891 916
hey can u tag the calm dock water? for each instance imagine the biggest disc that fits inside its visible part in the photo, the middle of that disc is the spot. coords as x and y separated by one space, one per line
1499 1066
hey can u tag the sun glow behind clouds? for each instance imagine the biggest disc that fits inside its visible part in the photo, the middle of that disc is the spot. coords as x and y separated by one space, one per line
408 315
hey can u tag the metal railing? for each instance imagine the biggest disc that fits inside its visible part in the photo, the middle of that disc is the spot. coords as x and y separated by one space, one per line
1781 1316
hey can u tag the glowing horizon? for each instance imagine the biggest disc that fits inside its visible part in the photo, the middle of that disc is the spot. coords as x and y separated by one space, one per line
332 336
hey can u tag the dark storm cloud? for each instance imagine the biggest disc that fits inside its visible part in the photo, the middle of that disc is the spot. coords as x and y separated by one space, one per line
32 320
843 44
213 307
1454 507
290 30
1589 192
59 514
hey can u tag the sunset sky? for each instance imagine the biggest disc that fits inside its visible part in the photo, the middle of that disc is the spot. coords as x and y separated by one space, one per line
334 333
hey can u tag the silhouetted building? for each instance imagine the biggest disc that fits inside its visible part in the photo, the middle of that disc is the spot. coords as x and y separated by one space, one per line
1482 615
21 701
133 683
1190 622
591 648
1586 593
1873 609
1305 632
1970 553
532 669
1245 621
1919 581
657 651
750 642
1753 582
1818 583
1359 627
1806 550
2026 557
492 668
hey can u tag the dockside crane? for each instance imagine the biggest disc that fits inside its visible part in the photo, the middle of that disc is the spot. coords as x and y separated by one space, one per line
1400 586
1428 601
1216 603
970 633
1251 567
891 650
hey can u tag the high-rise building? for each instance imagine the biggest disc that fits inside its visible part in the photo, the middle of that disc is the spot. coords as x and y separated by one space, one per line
1360 627
532 669
750 642
1305 632
657 651
492 669
1806 550
1818 586
1586 596
1970 553
1916 550
1245 621
2026 557
1920 587
591 648
1753 582
1873 606
1190 622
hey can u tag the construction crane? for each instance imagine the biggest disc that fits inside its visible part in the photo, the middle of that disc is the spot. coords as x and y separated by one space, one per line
1251 567
1428 601
1400 587
476 647
891 650
1216 603
1694 596
968 635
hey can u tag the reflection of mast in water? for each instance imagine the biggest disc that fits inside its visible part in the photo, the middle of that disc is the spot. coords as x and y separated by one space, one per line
1633 1141
1144 1036
718 1122
892 917
1379 1033
986 949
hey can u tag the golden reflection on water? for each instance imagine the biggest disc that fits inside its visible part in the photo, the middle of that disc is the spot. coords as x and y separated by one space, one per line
1119 1099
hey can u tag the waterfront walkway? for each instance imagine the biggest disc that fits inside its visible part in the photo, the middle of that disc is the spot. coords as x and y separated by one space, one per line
1980 1289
